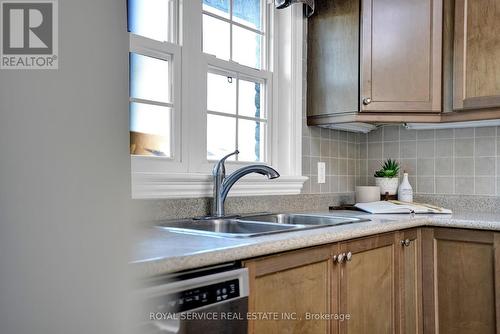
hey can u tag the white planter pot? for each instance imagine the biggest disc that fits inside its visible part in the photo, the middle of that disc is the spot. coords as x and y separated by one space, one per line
387 185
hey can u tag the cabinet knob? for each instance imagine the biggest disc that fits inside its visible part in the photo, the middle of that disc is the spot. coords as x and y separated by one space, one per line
367 101
340 257
348 257
405 242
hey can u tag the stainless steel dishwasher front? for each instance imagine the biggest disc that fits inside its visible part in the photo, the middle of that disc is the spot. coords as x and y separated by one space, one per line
213 301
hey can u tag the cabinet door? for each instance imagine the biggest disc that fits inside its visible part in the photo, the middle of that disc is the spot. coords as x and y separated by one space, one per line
476 69
465 274
368 285
401 55
410 282
289 286
333 58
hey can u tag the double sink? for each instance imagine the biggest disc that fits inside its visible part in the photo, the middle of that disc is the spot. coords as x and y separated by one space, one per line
257 224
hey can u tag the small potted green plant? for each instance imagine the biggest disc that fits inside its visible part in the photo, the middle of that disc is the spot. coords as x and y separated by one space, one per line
387 177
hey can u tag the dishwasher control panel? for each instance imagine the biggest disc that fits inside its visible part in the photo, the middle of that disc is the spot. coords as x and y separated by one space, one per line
198 297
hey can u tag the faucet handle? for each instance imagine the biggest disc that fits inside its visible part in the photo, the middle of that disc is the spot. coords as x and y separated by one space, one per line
219 167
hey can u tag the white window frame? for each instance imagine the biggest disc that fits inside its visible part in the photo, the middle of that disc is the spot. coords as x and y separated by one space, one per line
190 176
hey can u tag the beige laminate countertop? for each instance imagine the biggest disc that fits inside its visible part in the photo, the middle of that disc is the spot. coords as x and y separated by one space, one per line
159 251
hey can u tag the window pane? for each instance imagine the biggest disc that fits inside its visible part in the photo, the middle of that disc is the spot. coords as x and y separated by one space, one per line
221 136
150 18
221 93
246 47
250 101
251 142
218 7
150 129
215 37
248 12
149 78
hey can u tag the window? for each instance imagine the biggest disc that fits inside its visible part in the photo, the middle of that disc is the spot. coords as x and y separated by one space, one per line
152 53
204 80
234 31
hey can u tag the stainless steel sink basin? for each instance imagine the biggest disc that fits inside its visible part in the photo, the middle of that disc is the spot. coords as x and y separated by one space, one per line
255 225
303 219
232 227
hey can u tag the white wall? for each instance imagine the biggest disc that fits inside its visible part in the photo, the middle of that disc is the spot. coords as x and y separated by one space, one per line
65 180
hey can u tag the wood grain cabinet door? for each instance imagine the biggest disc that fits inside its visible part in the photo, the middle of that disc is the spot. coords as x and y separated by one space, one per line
290 286
401 55
466 277
476 67
410 287
369 285
333 58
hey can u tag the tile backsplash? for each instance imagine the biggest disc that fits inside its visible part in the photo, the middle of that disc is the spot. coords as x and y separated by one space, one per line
339 150
445 161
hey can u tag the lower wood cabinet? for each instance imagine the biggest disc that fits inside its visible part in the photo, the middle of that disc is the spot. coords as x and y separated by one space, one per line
410 282
368 284
289 286
466 277
415 281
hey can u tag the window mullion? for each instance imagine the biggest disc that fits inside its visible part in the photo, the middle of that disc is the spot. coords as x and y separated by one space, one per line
231 66
256 119
237 111
155 103
227 20
138 42
231 29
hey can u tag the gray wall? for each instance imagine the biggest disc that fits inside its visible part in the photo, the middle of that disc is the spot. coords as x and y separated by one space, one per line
339 150
452 161
448 161
65 180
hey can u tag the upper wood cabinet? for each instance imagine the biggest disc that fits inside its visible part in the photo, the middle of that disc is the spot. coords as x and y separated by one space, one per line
464 268
476 66
401 55
333 58
374 56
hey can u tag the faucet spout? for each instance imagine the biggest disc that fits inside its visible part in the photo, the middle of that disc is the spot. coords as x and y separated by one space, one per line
228 183
222 185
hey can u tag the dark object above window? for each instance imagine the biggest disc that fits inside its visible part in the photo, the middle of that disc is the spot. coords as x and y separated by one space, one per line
308 8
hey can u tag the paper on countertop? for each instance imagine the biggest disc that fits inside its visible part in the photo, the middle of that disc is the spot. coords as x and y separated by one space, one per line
388 207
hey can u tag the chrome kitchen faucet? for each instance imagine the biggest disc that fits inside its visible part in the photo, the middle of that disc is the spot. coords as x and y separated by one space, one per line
223 184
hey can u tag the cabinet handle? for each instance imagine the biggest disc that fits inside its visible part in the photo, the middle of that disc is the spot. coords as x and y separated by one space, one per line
348 257
405 243
367 101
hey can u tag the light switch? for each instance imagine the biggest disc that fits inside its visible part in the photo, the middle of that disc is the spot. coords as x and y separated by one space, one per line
321 172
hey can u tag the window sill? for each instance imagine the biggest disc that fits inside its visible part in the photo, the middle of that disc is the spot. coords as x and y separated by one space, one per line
183 185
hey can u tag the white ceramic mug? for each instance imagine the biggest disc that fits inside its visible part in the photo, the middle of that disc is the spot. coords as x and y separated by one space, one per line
365 194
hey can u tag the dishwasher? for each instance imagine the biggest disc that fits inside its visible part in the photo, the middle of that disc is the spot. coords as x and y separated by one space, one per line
209 301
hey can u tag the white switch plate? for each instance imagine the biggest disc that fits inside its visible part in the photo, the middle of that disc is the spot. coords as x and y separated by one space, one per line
321 172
